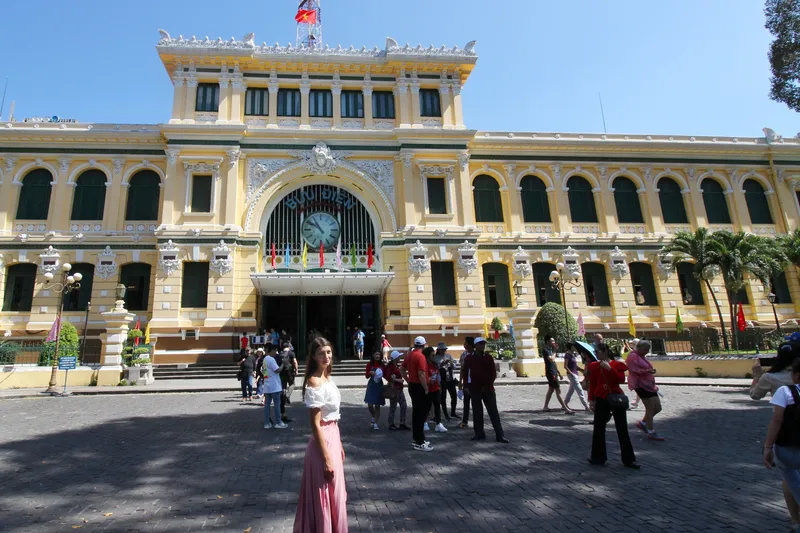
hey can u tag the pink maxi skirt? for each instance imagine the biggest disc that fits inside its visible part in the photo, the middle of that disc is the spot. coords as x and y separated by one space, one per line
322 506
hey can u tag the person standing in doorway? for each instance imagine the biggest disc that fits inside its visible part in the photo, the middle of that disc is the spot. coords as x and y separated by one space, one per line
463 381
322 503
434 389
642 379
395 378
247 367
272 389
572 369
552 374
415 372
447 366
482 373
605 377
358 343
374 396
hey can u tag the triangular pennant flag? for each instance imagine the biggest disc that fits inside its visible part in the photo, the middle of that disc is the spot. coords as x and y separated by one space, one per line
321 254
581 329
631 327
54 330
353 258
339 255
273 256
678 322
137 327
741 323
485 329
304 257
147 334
370 259
286 258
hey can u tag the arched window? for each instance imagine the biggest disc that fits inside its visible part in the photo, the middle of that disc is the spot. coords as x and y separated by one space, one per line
535 205
644 286
544 288
672 207
89 200
20 279
629 210
715 202
496 289
78 299
691 293
486 194
34 197
143 196
757 204
581 200
136 278
595 284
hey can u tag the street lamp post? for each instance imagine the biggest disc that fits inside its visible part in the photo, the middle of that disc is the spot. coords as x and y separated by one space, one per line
771 298
517 292
561 278
85 329
68 284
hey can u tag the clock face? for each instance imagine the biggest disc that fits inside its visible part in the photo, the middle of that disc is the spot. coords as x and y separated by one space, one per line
321 228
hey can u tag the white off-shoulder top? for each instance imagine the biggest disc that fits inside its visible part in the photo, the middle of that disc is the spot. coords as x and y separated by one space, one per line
326 398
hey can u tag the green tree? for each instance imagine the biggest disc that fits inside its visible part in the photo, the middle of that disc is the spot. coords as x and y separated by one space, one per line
69 344
790 245
783 21
700 248
552 320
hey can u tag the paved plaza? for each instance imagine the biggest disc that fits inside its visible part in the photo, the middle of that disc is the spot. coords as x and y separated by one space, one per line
189 462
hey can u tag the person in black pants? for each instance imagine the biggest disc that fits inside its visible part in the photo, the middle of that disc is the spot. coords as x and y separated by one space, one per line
247 366
415 372
482 373
605 377
469 347
448 382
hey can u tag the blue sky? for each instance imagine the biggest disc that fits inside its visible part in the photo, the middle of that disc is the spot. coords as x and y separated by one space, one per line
681 67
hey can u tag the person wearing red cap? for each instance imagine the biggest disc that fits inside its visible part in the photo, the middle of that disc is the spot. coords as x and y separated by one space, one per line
482 372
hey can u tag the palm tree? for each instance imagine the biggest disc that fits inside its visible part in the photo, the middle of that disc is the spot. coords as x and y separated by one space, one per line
740 255
790 243
699 247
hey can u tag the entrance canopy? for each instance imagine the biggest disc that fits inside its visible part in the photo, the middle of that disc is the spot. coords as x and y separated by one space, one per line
321 283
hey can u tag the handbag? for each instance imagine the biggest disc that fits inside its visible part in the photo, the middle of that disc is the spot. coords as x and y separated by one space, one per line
389 392
616 401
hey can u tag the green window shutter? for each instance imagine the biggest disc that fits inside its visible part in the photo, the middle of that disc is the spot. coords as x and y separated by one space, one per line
437 197
581 200
780 289
672 207
644 286
496 289
201 193
20 279
207 97
629 209
194 287
429 103
143 196
486 196
383 104
757 204
541 282
443 278
715 202
352 104
289 102
136 278
320 103
535 204
691 292
34 196
89 199
78 300
595 284
256 102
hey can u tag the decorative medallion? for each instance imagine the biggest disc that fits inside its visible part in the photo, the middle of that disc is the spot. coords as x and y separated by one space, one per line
221 261
106 263
418 261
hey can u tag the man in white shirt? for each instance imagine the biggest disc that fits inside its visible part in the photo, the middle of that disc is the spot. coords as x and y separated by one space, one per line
272 389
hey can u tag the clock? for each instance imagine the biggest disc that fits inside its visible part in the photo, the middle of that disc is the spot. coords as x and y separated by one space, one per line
320 228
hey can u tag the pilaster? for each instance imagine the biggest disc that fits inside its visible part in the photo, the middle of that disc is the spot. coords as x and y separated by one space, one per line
223 110
737 206
169 188
401 95
178 98
409 204
458 111
273 103
305 91
231 188
191 100
60 217
238 88
515 219
336 94
416 119
447 106
560 200
9 193
656 217
368 119
606 210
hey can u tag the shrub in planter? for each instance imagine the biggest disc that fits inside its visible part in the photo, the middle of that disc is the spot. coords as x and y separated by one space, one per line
69 345
8 352
550 321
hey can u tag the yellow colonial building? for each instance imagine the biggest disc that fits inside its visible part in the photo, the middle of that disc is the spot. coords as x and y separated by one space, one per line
323 188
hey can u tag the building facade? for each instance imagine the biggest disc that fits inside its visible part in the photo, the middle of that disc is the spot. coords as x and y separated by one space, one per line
326 189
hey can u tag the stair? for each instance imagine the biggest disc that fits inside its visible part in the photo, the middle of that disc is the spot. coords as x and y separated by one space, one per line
228 370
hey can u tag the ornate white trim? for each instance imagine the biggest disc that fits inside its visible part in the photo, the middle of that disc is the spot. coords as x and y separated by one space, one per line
664 263
429 171
260 169
571 261
221 261
418 260
619 265
201 168
320 160
233 156
383 124
168 260
467 257
522 263
352 124
106 263
381 171
288 123
49 260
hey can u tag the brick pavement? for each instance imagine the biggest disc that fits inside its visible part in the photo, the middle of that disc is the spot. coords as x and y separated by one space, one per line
189 462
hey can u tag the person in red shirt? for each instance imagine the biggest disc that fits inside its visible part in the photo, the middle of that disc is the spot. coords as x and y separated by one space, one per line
415 372
605 377
434 389
480 368
395 377
243 343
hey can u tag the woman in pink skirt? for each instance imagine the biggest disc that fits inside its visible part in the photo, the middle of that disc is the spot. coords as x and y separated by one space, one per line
322 506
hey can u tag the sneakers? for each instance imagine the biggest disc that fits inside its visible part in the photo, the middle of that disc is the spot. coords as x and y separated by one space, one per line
440 428
281 426
424 447
267 426
425 427
392 427
405 427
375 427
652 435
641 425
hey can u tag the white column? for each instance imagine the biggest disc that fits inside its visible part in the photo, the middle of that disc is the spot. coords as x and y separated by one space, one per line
447 106
401 93
305 90
224 100
239 89
415 113
273 104
191 100
178 97
367 91
336 93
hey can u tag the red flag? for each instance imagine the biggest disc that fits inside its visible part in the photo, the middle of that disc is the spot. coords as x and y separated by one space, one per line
496 334
273 255
306 16
370 259
138 326
321 254
740 321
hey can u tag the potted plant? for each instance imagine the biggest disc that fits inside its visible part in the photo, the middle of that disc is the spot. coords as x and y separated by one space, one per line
138 365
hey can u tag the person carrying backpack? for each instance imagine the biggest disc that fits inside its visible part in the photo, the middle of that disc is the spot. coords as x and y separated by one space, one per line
782 445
